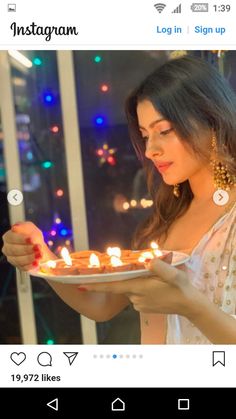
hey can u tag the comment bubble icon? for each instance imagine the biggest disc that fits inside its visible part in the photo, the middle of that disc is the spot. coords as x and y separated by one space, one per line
44 359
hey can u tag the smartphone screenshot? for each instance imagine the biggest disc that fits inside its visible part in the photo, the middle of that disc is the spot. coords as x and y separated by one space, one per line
117 207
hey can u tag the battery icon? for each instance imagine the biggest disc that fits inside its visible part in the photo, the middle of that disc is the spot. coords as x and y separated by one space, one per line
200 7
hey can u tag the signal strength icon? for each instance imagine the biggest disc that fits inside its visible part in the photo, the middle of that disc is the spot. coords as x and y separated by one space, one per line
160 7
178 9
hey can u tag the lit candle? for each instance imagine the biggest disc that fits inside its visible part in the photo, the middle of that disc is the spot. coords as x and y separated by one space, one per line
65 255
144 256
51 264
60 267
114 251
156 251
94 261
115 261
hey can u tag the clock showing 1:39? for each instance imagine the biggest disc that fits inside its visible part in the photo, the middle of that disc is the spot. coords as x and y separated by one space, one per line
222 7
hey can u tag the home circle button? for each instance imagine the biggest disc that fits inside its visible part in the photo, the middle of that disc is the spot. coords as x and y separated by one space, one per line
118 405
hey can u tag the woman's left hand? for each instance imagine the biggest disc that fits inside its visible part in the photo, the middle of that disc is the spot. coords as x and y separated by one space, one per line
167 290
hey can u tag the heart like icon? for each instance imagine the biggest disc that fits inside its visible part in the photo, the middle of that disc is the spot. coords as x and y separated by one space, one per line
18 357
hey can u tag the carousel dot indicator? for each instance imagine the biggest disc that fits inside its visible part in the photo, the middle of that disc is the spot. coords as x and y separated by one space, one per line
114 356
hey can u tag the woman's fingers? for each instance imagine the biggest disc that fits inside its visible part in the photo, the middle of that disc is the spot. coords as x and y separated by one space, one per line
23 245
20 249
10 237
164 271
23 262
128 286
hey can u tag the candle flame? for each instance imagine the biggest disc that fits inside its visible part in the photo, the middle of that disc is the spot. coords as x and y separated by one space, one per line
115 261
51 264
157 253
94 261
145 255
114 251
65 255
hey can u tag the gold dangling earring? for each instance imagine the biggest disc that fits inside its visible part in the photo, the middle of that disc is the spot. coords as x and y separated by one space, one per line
223 180
176 191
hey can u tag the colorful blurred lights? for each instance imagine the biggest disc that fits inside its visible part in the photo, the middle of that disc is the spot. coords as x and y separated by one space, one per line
99 120
111 160
104 88
63 232
48 98
58 221
29 155
54 129
53 233
126 206
47 164
50 342
59 192
133 203
37 61
97 58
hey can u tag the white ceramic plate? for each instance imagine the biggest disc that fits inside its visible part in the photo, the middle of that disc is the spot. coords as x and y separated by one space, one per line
178 259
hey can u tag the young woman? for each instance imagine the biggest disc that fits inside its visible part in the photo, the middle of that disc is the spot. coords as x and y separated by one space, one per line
182 122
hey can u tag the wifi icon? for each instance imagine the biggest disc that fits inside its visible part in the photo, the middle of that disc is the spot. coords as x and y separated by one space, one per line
160 7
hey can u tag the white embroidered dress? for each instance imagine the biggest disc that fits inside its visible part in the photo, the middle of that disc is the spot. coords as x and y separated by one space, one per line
212 270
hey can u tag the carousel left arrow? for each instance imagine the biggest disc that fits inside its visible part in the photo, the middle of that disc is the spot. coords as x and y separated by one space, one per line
15 197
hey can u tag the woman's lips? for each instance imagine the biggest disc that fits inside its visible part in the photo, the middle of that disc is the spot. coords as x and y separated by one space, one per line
162 167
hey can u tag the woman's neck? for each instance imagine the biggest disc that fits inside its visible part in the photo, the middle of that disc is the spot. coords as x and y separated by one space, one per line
202 186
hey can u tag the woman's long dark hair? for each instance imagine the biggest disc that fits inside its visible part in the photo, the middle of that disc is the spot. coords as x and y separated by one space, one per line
196 99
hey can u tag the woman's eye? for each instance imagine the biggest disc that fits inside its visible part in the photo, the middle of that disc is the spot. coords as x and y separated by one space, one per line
145 138
166 132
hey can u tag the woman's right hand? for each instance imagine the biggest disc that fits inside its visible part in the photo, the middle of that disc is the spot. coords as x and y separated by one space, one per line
24 246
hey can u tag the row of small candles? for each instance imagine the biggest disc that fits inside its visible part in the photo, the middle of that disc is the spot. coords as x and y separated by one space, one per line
113 252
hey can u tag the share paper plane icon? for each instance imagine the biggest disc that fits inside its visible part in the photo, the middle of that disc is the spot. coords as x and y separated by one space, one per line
71 356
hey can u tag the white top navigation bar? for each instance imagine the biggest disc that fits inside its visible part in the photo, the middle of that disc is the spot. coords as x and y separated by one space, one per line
123 24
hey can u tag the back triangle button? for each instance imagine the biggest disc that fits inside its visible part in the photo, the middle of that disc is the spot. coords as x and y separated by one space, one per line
53 404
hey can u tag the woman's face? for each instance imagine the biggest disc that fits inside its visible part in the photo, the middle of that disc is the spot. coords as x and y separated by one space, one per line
173 158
